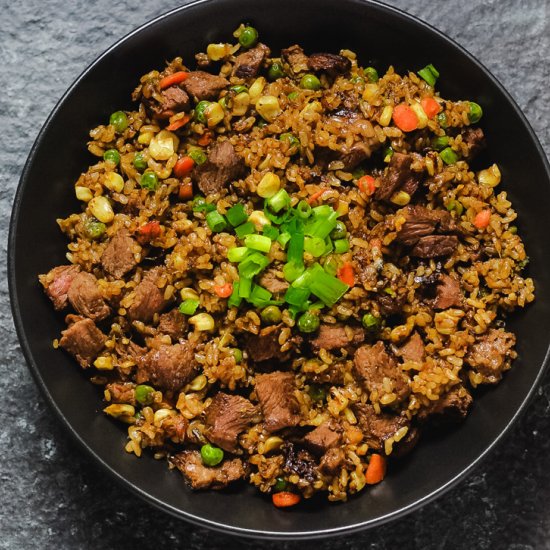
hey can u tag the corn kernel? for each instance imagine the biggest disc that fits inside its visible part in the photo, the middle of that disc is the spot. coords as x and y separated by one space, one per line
401 198
114 182
268 107
256 89
161 415
215 52
490 176
203 322
104 363
188 294
83 193
420 114
118 410
370 92
259 219
269 185
240 104
163 145
214 114
101 208
272 443
145 138
198 383
385 117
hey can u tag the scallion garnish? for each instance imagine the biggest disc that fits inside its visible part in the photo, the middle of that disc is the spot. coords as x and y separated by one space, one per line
236 215
258 242
188 307
245 229
216 221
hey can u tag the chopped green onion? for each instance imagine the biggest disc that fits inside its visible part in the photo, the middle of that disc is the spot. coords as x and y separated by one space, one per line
245 287
303 210
237 254
439 143
238 89
340 231
292 271
188 307
475 113
236 215
270 232
388 154
320 225
201 205
370 321
295 252
341 246
315 246
259 296
332 265
448 156
429 73
296 296
235 300
390 291
258 242
283 238
442 119
293 142
279 201
254 264
372 74
329 247
326 287
280 485
198 155
216 222
245 229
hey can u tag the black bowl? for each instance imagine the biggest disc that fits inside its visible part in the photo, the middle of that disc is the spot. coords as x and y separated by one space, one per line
381 36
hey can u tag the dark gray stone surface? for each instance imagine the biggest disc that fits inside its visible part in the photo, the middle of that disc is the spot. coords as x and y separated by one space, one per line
52 495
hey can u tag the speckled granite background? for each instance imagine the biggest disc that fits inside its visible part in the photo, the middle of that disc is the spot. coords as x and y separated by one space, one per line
52 495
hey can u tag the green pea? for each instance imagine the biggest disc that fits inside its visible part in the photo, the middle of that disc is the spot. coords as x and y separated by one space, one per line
119 120
370 321
317 393
442 120
372 74
292 140
356 79
239 89
149 181
200 110
455 206
211 456
271 315
340 231
476 112
280 485
448 156
440 142
112 155
198 155
308 322
94 228
513 229
310 82
248 37
237 355
275 71
144 394
293 95
139 162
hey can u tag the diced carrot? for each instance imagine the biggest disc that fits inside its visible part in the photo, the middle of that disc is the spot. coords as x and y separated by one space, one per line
315 196
405 118
367 185
355 435
183 166
346 274
482 219
376 470
176 125
285 499
431 106
172 79
205 139
148 232
185 191
224 291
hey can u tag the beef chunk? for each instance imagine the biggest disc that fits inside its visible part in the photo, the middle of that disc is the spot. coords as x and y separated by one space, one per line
372 364
391 305
173 323
199 476
475 140
57 282
377 428
449 409
203 85
357 153
274 284
323 437
86 298
148 300
332 337
447 293
330 63
122 392
247 64
82 339
299 462
279 405
118 257
398 176
174 100
434 246
265 345
331 461
490 353
226 417
421 222
296 58
168 367
333 374
222 167
412 349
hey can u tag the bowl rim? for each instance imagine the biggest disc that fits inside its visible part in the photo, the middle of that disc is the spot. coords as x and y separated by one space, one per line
158 503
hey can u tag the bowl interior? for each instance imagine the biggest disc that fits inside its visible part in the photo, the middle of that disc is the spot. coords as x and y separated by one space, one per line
381 36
